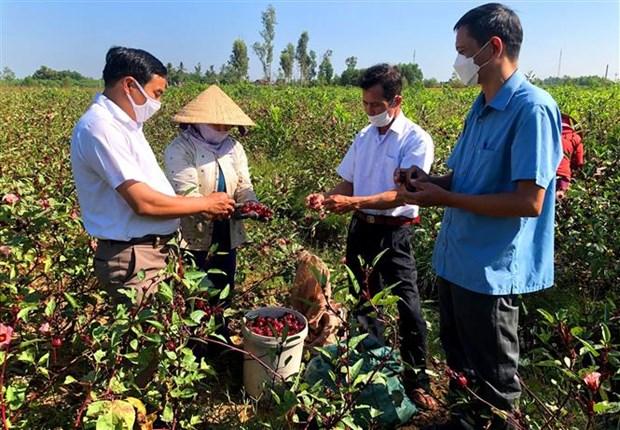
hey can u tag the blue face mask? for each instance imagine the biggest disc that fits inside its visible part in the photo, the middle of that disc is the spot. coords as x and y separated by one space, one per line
210 134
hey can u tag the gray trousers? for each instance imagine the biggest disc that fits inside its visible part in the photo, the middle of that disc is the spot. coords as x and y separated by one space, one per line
479 335
119 265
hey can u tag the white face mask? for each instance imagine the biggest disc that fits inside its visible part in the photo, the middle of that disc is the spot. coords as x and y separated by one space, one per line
210 134
381 120
144 111
466 69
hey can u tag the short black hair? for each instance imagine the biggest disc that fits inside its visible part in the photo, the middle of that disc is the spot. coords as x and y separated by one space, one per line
494 19
387 76
137 63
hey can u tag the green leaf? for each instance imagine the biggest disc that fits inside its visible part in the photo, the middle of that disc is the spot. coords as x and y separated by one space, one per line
72 301
69 380
109 421
156 324
168 415
550 318
197 315
27 356
354 341
225 292
16 395
607 407
606 335
165 292
50 307
353 280
378 257
355 369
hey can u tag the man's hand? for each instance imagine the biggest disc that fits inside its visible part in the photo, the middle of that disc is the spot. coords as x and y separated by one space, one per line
426 194
339 204
315 201
218 206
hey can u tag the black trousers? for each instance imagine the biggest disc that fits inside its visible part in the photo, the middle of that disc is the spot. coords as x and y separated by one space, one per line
479 335
396 266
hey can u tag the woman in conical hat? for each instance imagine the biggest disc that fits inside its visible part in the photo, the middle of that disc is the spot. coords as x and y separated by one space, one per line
205 159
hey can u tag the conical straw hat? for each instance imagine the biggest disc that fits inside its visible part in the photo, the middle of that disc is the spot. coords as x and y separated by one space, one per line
212 106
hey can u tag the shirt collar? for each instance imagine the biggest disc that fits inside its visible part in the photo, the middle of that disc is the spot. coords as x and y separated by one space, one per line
505 93
397 126
118 113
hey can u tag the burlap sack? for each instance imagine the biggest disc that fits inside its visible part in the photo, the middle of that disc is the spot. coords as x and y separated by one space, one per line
313 300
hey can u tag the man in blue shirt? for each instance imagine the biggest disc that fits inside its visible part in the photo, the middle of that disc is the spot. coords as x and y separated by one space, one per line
496 238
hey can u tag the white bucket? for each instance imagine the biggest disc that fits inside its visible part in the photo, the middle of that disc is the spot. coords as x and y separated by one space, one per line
266 349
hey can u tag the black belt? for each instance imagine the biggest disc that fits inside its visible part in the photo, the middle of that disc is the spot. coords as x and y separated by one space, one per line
150 239
386 220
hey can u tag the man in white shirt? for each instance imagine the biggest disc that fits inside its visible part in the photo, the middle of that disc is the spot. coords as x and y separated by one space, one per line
125 199
381 220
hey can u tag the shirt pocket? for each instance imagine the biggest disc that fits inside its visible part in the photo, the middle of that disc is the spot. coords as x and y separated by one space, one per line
490 168
391 163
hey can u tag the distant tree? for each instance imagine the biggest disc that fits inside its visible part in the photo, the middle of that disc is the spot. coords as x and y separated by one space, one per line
411 73
46 73
211 76
7 75
181 73
351 75
302 56
264 51
312 66
326 70
287 61
238 63
431 83
197 75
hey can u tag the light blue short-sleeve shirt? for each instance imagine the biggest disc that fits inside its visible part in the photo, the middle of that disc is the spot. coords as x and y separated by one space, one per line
517 136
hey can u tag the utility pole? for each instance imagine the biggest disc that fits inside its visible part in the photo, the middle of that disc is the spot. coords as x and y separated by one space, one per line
414 56
606 71
560 63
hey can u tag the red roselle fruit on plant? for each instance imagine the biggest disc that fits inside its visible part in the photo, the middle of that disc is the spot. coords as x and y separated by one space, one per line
592 381
56 342
263 325
459 377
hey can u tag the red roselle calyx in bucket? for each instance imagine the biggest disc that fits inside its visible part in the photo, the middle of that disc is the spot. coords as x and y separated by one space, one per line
265 326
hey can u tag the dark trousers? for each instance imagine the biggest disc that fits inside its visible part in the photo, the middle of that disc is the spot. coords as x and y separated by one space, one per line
396 266
479 335
225 261
220 267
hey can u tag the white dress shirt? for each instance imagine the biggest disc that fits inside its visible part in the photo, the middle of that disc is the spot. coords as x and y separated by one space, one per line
372 158
107 149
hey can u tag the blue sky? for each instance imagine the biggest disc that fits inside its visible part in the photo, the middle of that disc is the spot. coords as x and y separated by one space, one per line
76 34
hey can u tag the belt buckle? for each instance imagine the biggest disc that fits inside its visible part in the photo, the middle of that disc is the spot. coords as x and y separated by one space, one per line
371 219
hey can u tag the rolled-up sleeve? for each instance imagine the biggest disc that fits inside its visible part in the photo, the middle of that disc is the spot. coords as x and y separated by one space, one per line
536 151
346 169
418 151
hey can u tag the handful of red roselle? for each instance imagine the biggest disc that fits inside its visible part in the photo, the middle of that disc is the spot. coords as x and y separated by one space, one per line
253 210
274 327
